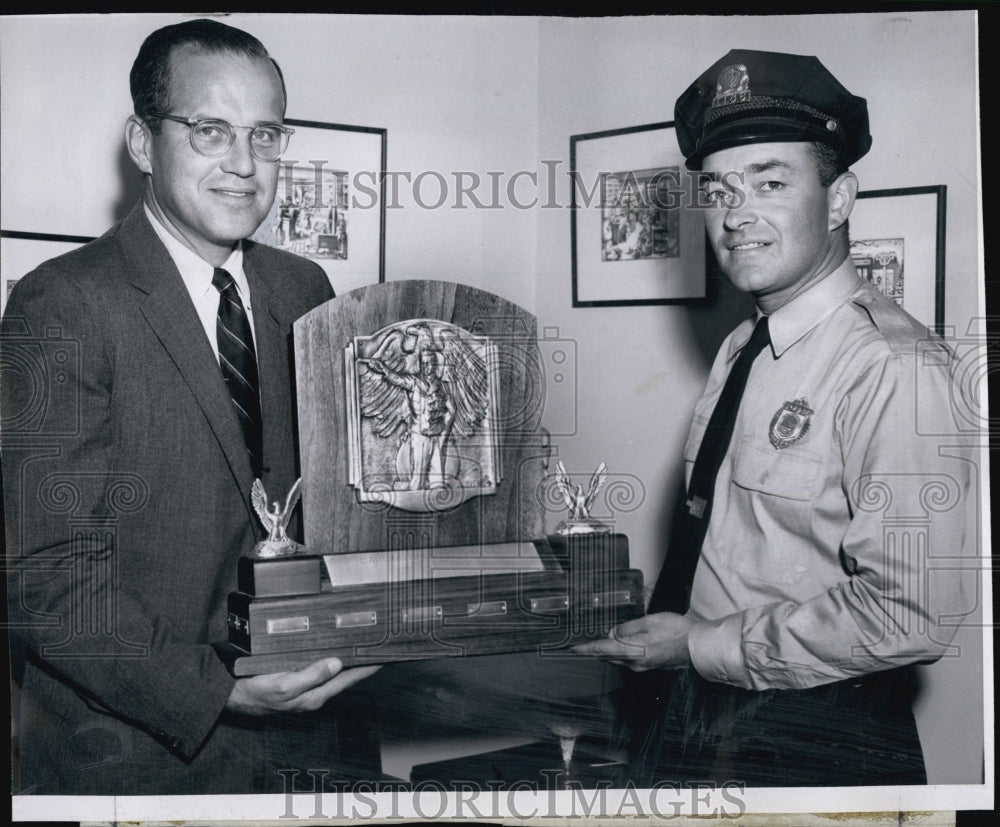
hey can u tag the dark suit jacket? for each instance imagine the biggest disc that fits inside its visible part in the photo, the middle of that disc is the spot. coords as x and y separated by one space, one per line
127 493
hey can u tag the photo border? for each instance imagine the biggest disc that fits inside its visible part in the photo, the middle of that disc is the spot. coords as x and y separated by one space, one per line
932 224
694 258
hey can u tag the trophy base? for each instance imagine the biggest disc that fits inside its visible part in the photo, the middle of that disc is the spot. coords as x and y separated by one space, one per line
582 526
549 642
269 549
590 552
372 623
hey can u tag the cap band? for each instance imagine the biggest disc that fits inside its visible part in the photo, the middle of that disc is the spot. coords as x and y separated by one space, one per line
755 104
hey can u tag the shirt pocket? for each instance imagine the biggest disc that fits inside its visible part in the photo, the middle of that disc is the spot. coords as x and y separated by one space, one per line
789 473
772 541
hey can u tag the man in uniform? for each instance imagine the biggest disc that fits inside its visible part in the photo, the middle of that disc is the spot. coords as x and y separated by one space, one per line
146 383
796 592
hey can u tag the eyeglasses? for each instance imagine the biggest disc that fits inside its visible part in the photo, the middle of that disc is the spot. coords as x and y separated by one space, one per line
213 136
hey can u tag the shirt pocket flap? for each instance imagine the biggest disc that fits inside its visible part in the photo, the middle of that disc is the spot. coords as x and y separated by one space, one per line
788 473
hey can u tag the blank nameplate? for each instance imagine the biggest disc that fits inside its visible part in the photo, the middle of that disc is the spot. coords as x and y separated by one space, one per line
402 565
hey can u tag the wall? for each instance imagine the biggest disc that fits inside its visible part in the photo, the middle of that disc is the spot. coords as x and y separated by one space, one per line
642 368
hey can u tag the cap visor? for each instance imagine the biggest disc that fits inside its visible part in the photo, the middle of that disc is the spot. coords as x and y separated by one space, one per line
758 131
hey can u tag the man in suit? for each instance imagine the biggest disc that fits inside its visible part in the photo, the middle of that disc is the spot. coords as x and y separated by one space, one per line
147 380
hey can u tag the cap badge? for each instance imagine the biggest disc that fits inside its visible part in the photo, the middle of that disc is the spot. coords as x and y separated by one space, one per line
732 86
790 423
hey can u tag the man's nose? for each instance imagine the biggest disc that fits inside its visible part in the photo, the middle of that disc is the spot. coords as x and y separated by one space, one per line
740 213
239 159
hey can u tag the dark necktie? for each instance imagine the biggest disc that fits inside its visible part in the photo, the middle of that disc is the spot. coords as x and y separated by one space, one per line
673 588
238 362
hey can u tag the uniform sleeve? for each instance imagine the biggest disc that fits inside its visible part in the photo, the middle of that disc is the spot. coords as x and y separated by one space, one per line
906 483
56 391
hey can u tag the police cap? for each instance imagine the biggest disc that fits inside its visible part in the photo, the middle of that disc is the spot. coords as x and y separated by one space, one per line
750 97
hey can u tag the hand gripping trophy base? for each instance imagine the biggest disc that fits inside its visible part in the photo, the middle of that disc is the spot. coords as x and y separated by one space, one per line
275 520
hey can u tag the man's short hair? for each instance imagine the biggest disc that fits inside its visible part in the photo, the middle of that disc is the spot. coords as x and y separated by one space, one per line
829 162
149 80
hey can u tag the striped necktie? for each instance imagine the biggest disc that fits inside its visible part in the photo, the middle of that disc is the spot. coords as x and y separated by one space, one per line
238 362
673 588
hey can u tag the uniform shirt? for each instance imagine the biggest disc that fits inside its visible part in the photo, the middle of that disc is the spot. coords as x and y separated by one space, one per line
197 276
831 498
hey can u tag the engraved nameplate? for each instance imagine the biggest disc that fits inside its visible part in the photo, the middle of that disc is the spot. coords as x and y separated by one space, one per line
620 598
491 608
352 620
559 603
287 625
421 613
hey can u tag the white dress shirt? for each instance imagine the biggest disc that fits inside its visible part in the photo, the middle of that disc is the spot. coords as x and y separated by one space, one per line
197 275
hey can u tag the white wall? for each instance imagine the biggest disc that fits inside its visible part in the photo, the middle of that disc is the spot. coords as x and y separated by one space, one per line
504 95
642 368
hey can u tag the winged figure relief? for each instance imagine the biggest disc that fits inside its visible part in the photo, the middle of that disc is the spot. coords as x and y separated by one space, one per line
424 386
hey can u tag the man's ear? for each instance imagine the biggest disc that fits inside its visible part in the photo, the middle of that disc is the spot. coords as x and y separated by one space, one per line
138 140
841 194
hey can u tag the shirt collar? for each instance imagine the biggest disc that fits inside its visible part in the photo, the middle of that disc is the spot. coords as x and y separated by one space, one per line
195 271
793 320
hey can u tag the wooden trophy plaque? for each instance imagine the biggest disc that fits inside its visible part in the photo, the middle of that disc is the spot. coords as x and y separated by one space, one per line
424 472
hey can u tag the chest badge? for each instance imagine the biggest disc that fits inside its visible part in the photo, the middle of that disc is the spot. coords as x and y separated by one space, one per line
790 423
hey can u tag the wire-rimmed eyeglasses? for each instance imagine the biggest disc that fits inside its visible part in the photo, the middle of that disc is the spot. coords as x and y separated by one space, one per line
214 136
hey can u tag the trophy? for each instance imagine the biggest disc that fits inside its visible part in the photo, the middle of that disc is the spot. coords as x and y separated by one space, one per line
418 544
275 520
579 520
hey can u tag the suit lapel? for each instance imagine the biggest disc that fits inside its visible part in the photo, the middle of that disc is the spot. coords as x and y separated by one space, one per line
167 308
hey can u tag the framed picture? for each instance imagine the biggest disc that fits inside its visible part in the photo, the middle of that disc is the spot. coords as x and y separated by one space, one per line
636 238
330 204
21 252
897 243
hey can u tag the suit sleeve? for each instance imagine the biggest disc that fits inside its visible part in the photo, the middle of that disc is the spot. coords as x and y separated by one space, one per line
67 608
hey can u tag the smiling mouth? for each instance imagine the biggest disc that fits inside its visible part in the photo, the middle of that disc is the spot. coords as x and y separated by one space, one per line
235 193
749 245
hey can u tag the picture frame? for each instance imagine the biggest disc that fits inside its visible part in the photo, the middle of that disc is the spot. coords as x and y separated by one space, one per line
21 252
898 244
636 236
330 203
